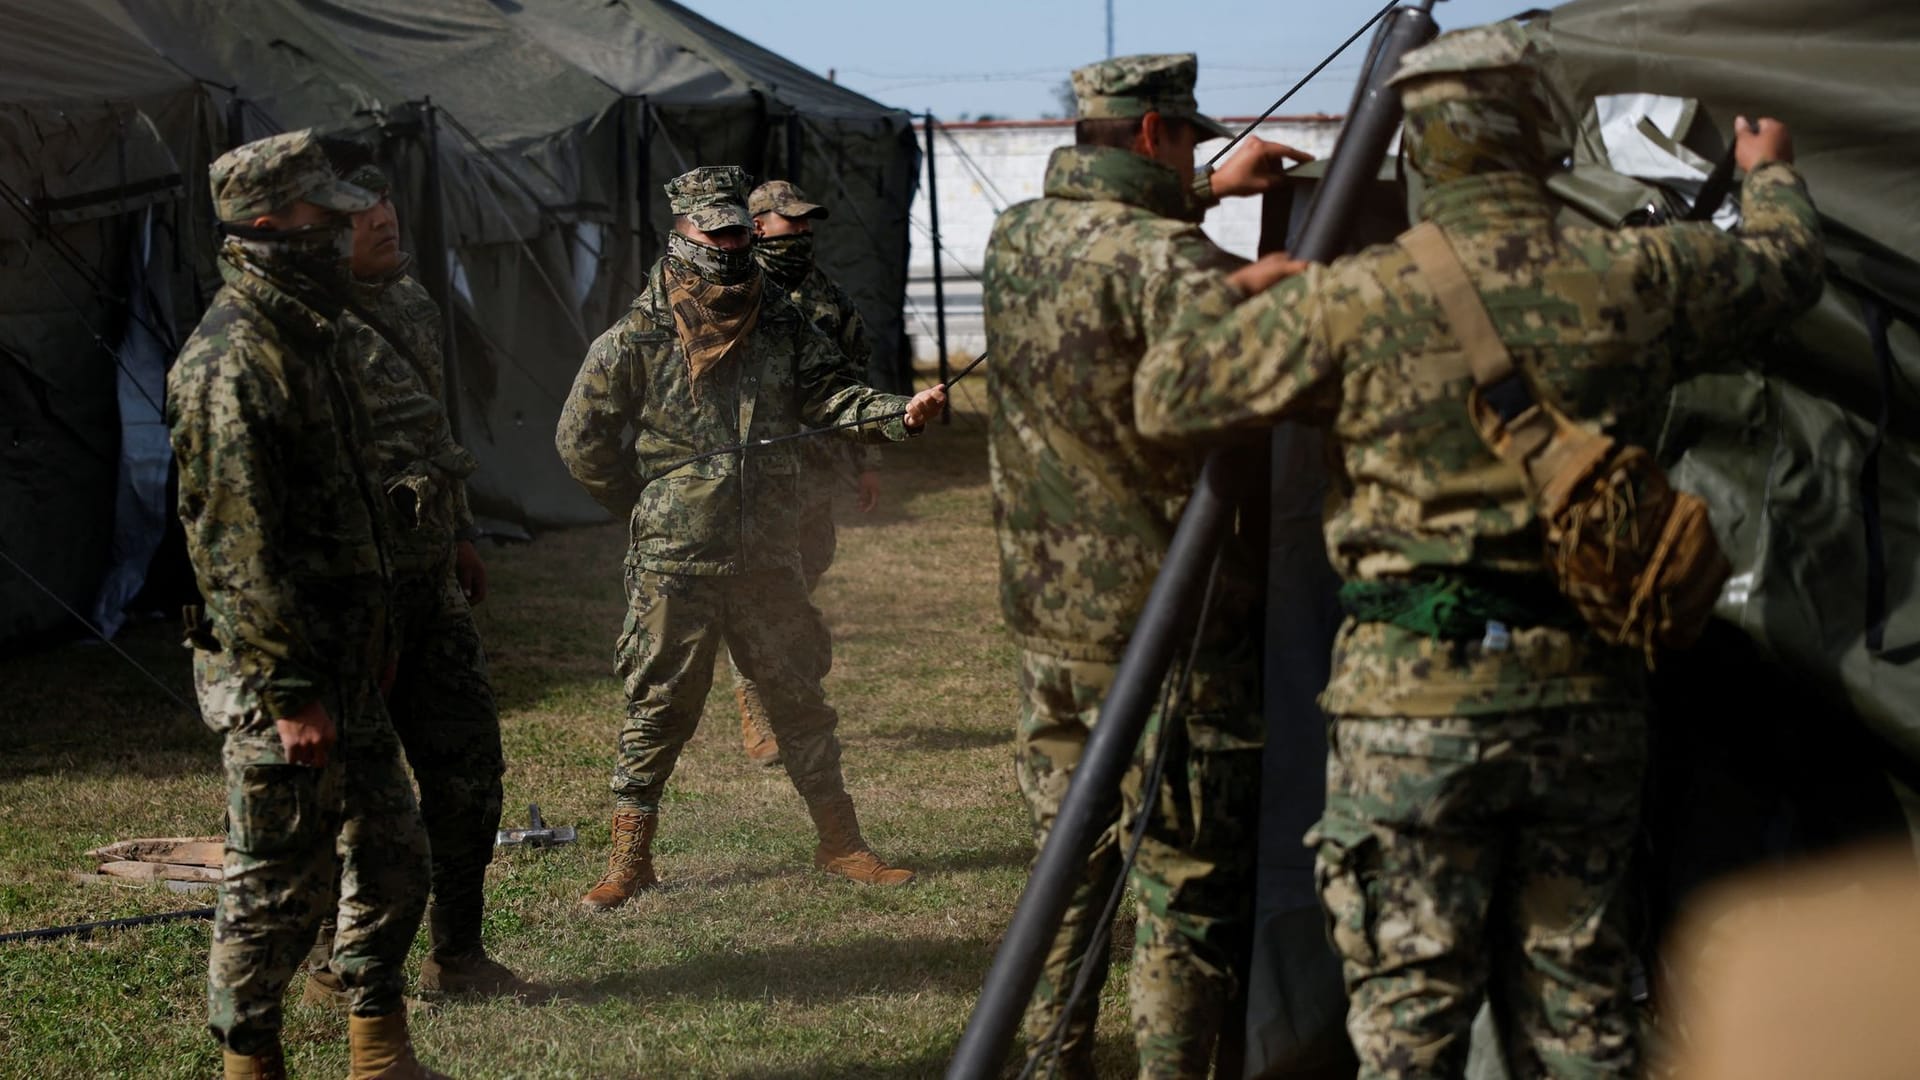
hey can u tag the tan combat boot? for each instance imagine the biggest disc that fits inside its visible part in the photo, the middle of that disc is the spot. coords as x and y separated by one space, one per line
756 735
325 988
629 864
378 1048
844 851
268 1066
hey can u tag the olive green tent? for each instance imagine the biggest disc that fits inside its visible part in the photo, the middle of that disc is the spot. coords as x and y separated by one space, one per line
528 142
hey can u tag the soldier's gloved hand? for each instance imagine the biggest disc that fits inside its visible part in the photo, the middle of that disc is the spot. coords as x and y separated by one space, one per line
1266 272
926 405
1754 146
1254 167
307 736
470 570
869 491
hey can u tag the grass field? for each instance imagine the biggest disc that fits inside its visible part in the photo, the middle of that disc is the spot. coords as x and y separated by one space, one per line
747 962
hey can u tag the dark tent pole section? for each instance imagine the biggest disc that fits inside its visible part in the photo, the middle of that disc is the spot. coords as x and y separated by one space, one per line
1092 797
643 235
939 286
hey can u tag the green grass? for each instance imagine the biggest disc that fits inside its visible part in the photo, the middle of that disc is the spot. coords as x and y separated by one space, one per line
747 962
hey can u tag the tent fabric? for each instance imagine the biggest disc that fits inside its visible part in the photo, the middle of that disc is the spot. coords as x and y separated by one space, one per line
528 142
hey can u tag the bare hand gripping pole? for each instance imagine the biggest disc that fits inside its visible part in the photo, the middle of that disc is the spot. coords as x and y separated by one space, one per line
1092 798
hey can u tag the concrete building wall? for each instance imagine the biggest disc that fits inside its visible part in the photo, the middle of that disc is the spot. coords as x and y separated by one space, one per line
984 167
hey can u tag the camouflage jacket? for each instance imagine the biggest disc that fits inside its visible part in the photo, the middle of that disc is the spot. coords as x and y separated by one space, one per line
828 464
276 494
1077 285
1601 320
633 413
422 469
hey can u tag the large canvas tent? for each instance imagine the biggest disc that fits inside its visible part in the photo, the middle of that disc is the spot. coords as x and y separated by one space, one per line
528 142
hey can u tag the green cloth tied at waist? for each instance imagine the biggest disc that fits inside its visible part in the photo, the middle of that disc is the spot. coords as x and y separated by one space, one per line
1457 606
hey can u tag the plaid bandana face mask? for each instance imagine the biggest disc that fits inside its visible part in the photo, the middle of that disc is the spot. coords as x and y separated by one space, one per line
716 265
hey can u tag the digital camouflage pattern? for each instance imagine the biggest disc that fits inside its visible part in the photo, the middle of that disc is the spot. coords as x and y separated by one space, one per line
1077 285
1482 793
1601 320
398 365
273 173
727 514
674 625
713 196
441 702
287 544
1124 87
1447 841
1193 876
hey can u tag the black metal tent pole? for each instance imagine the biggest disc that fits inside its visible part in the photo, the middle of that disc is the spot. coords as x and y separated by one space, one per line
939 286
1092 797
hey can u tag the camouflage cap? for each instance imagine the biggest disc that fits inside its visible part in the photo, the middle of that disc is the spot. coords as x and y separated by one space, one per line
1501 46
785 198
714 196
1129 86
273 173
371 177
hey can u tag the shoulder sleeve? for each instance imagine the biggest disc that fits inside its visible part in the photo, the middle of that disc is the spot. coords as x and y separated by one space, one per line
225 424
828 397
1731 291
593 422
1266 360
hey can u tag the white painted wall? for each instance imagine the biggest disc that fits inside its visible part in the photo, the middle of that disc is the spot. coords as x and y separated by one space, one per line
986 167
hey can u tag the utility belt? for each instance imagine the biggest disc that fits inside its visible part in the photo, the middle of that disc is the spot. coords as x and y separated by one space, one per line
1636 558
1456 605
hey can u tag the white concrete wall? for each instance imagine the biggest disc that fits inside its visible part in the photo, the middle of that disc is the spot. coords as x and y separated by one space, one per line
995 165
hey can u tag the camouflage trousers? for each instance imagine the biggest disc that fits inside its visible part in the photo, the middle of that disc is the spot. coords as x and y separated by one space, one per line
290 830
1193 876
674 625
442 709
818 540
1481 857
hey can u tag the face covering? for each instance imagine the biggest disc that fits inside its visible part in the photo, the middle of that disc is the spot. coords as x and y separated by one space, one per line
715 298
716 265
321 253
786 259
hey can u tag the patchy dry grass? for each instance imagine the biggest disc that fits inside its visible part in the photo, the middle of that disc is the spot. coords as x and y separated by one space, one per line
746 964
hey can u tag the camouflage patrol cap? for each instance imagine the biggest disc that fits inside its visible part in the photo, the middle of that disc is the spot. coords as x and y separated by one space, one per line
273 173
1129 86
714 196
785 198
372 178
1497 47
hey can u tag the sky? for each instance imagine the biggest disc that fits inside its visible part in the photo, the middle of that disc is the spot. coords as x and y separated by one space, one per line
1006 58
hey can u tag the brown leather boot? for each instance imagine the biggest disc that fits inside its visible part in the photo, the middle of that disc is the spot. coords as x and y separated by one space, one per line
378 1048
756 735
267 1066
629 864
844 851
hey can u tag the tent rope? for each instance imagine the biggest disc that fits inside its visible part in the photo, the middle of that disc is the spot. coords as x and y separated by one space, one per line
96 632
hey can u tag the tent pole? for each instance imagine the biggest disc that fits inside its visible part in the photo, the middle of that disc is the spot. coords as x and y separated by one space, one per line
434 274
644 231
939 287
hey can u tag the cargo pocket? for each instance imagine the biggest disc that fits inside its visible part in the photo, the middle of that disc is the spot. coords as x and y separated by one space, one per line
1346 870
273 808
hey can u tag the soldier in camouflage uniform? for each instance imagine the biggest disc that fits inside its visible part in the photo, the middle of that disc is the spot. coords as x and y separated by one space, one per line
783 246
708 358
287 540
1487 750
1077 285
441 702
